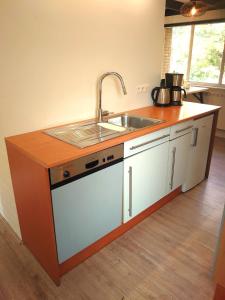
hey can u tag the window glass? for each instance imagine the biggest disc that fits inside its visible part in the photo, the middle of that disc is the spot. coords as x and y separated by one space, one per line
180 49
207 52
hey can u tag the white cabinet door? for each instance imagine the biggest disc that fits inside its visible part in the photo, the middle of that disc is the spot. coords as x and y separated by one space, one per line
145 177
199 152
179 150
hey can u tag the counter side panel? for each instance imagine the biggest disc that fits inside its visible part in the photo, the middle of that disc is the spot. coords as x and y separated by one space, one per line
34 206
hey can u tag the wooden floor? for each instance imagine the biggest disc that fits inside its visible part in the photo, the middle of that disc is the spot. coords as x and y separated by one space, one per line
167 256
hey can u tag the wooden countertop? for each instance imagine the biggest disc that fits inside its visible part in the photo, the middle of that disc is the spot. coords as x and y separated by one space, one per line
50 152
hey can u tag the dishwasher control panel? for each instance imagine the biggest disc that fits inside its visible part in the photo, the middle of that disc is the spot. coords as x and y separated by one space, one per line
86 164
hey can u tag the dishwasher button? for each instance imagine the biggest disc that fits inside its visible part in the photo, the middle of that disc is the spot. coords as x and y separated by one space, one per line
110 157
66 174
92 164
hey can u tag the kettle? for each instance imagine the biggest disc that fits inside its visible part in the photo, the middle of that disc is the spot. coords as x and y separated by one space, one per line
161 96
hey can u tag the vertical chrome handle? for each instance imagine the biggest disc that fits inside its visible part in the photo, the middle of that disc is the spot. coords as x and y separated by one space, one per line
130 191
195 130
173 167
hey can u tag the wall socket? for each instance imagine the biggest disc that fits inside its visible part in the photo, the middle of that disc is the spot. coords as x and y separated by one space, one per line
143 89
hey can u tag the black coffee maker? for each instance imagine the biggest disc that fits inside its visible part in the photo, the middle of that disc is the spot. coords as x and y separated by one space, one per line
174 82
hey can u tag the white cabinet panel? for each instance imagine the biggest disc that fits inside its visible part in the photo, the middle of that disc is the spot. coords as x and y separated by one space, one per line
145 177
179 150
181 129
199 152
146 141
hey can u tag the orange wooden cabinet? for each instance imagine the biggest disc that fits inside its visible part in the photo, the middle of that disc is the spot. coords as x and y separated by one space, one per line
33 201
34 205
219 293
220 266
32 155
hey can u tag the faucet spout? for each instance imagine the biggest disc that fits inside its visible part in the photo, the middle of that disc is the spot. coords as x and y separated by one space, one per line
99 110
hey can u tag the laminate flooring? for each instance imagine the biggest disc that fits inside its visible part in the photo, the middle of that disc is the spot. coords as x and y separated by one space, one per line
168 256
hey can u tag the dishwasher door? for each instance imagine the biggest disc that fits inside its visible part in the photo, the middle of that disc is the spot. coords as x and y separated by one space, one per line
87 209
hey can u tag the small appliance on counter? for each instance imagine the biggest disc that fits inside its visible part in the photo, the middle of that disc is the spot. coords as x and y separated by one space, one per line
170 91
173 79
174 82
177 96
161 96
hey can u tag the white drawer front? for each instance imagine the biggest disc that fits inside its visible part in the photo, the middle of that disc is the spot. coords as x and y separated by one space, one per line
145 142
181 129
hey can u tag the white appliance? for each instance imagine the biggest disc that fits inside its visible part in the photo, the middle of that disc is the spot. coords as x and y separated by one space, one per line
196 167
145 172
87 199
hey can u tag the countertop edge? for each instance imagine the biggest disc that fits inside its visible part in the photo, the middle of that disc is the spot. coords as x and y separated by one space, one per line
108 143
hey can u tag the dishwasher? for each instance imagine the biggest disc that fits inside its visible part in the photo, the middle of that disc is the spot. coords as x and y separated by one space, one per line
86 199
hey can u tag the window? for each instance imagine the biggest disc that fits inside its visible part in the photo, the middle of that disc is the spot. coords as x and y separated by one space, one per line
198 51
180 49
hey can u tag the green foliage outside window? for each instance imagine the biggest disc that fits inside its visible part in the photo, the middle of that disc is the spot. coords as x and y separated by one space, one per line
206 53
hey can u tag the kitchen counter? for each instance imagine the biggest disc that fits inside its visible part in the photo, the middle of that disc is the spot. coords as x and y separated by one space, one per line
50 152
32 154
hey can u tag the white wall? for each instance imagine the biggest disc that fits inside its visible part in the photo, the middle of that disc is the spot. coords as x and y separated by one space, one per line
53 51
216 96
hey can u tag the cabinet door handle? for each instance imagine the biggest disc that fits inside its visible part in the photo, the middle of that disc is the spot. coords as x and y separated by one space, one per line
173 167
183 129
194 144
130 191
149 142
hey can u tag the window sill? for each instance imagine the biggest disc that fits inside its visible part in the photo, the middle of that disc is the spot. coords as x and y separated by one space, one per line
208 85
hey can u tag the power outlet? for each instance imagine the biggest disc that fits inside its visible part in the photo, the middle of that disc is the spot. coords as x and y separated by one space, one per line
143 89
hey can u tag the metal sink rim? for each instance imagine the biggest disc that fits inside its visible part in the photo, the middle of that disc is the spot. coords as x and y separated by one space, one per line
72 133
149 121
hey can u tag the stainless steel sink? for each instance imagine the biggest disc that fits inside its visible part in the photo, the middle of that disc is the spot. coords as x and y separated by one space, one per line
133 122
85 134
90 133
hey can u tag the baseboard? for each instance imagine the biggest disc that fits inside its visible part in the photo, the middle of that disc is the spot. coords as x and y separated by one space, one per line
6 230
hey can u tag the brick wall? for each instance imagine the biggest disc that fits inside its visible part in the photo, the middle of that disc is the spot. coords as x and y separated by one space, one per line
167 51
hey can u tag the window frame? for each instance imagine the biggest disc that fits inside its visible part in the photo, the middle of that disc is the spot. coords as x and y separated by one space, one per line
220 84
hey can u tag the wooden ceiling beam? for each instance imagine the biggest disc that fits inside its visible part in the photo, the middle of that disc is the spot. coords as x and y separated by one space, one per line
173 5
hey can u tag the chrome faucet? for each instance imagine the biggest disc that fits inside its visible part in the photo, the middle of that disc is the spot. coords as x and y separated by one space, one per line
100 112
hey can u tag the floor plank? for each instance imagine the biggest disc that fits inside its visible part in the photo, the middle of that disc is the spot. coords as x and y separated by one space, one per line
169 256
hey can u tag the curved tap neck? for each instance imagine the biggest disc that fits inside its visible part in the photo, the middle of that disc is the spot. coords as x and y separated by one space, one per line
100 111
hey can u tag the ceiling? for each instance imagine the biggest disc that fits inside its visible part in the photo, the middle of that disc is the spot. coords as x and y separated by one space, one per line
173 6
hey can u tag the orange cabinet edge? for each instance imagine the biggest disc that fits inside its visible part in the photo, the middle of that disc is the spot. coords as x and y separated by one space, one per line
34 207
219 293
219 275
